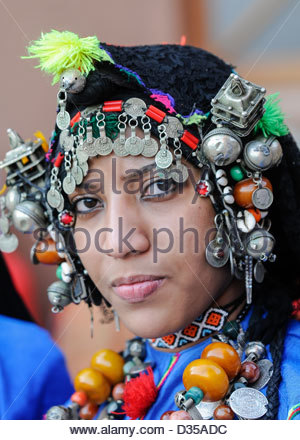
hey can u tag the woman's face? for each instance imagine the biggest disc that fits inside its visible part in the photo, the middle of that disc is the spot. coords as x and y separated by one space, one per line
131 226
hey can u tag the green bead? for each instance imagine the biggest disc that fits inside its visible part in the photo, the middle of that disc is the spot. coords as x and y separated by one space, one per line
194 393
127 367
238 385
59 272
237 173
231 329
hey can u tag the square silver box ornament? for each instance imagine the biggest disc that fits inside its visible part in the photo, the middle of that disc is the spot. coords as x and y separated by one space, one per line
240 103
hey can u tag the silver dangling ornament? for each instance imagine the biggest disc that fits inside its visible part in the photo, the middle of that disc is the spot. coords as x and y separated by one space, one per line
217 250
150 145
134 145
163 158
179 172
59 295
63 118
103 144
119 143
262 153
28 216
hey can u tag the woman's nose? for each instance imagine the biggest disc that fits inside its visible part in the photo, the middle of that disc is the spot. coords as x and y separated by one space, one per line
125 231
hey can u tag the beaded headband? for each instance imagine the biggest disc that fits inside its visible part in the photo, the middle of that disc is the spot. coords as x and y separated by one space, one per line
233 156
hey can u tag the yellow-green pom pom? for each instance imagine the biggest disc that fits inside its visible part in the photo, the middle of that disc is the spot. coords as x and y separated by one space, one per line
59 51
272 121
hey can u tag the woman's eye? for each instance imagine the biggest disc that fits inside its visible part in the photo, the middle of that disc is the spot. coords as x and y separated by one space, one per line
160 188
86 204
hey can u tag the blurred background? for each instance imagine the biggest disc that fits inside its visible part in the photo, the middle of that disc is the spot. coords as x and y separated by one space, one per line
261 39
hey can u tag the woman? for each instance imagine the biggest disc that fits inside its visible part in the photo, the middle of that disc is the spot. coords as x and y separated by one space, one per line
170 197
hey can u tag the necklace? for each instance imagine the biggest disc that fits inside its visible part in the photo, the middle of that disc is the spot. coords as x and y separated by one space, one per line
102 382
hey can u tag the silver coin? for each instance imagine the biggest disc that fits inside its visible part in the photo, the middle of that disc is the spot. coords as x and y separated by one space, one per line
63 135
174 127
68 143
53 197
85 168
163 158
179 173
63 120
61 203
135 107
210 252
259 272
77 173
69 184
4 225
119 147
262 198
89 148
248 403
266 372
134 145
8 243
206 409
81 155
103 146
150 147
163 174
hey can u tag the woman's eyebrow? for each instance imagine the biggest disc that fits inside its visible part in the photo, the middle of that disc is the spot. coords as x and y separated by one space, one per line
134 172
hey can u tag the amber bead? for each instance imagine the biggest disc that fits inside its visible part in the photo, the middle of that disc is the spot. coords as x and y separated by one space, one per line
88 411
94 384
46 252
118 391
225 356
208 376
79 397
180 415
223 412
256 213
243 190
250 371
110 364
166 415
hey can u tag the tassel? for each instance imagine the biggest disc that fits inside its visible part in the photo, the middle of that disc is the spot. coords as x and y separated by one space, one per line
139 394
272 121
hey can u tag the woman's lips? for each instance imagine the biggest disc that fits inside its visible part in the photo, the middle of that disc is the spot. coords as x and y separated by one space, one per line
137 292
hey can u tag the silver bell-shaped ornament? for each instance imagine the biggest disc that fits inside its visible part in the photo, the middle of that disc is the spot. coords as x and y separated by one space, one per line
259 244
221 146
28 216
72 81
12 198
59 295
262 153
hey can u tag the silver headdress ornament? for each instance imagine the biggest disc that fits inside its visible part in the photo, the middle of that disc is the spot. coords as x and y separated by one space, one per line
232 164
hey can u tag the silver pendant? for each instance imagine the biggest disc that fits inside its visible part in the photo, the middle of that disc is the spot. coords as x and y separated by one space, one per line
103 146
179 173
135 107
89 148
8 243
163 158
69 184
206 409
266 372
134 145
61 203
174 127
262 198
259 272
81 156
63 119
4 225
85 168
77 173
63 135
217 254
119 147
150 147
53 197
248 403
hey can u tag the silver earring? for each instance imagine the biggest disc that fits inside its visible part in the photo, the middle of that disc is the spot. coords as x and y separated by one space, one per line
117 321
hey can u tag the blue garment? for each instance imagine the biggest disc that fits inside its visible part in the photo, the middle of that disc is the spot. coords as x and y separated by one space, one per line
33 375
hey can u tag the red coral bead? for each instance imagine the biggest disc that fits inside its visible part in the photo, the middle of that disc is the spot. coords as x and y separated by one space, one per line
250 371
